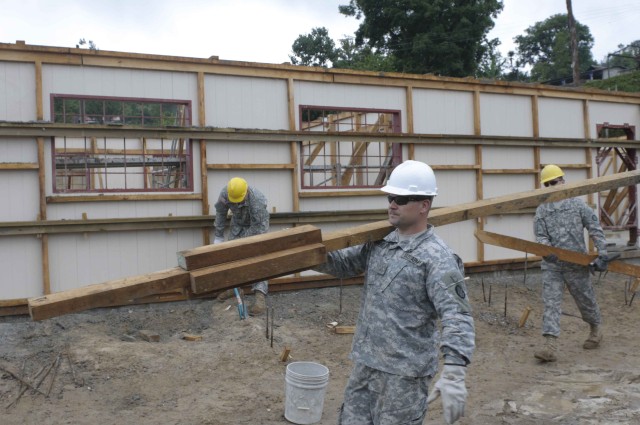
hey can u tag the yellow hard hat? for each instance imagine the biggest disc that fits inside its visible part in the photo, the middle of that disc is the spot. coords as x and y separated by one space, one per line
550 172
237 189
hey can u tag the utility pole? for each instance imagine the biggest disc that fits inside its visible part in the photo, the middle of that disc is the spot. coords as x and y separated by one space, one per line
575 65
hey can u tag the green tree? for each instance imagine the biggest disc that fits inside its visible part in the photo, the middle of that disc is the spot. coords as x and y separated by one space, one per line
362 58
626 56
314 49
442 37
545 47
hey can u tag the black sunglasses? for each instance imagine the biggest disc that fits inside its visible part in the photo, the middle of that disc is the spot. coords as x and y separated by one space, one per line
552 183
404 200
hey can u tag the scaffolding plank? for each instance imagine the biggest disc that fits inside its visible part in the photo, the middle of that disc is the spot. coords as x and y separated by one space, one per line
252 246
109 293
563 254
498 205
256 269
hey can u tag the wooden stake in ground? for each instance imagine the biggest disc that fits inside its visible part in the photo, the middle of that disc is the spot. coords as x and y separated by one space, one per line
524 316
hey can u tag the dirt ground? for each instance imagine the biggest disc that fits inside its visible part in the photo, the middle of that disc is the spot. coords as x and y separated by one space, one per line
108 374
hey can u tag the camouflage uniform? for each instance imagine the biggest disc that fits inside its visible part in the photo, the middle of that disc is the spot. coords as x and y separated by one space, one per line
561 224
249 217
408 285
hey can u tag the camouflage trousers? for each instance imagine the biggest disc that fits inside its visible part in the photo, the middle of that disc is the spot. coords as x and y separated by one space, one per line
373 397
580 287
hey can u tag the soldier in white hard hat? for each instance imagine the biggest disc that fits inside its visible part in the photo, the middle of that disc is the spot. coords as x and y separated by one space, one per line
562 224
249 216
412 279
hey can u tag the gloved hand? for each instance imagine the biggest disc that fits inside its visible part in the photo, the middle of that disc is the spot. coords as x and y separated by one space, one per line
551 258
453 391
218 240
600 264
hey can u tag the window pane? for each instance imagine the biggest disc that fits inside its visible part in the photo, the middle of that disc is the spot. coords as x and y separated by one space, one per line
338 163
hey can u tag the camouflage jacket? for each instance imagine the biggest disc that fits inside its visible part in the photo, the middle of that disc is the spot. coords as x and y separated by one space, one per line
250 217
562 224
408 286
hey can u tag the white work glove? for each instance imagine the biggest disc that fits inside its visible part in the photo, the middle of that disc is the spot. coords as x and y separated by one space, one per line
218 240
454 394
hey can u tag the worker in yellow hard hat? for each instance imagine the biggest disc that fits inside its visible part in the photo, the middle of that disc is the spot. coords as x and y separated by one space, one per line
249 216
561 224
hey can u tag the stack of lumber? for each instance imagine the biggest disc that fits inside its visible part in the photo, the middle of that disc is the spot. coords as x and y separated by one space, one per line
243 261
210 268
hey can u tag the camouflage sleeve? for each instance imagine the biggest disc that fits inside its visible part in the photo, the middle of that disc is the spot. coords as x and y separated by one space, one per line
540 230
347 262
221 214
259 215
592 224
448 292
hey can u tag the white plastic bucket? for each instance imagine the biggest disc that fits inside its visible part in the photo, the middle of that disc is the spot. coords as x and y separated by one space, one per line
305 385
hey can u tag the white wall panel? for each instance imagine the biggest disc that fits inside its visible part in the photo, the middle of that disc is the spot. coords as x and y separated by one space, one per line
516 225
345 203
239 152
17 91
349 96
77 260
507 157
244 102
500 184
19 194
562 118
442 112
124 209
21 267
613 113
455 187
562 156
18 150
445 154
459 237
505 115
130 83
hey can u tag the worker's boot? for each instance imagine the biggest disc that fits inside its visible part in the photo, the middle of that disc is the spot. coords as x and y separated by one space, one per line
223 296
259 305
595 336
548 352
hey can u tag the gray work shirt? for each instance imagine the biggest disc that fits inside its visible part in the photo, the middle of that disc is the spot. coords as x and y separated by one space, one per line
408 286
562 223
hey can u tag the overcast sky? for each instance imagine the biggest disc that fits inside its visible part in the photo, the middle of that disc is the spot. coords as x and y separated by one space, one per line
261 30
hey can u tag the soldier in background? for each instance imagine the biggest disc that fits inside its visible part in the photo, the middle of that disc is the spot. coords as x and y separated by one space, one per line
561 224
412 279
249 216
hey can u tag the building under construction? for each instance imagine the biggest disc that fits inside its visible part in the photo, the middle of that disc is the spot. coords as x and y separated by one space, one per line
110 162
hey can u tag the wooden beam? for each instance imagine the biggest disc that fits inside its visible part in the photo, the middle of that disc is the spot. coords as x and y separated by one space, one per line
108 293
378 230
563 254
238 273
252 246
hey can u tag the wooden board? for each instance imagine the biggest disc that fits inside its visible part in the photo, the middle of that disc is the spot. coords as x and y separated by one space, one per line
252 246
542 250
108 293
486 207
256 269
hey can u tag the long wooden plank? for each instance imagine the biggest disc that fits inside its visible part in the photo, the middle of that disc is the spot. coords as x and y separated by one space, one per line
108 293
252 246
542 250
255 269
498 205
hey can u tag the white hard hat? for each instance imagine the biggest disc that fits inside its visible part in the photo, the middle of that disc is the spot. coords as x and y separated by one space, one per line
412 178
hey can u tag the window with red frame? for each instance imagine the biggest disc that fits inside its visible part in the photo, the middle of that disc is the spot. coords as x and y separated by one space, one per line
348 164
108 164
